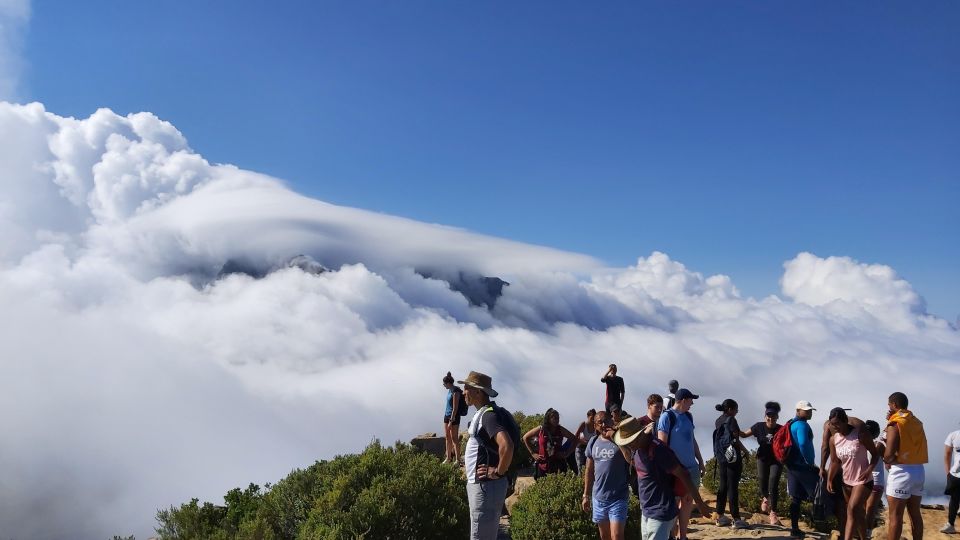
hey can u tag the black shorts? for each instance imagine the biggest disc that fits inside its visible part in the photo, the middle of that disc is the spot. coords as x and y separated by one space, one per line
456 420
953 486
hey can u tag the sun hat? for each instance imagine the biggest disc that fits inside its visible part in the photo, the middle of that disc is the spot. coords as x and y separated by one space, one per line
480 382
629 429
804 406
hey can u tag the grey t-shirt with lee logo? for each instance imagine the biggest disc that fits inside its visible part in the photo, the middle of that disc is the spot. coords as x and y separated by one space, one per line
610 470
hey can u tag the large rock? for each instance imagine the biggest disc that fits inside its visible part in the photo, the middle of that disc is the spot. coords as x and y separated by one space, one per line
431 444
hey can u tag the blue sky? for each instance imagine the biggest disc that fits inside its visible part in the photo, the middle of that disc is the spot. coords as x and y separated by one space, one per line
729 135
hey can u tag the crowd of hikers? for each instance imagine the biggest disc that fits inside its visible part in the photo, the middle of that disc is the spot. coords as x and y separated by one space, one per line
656 456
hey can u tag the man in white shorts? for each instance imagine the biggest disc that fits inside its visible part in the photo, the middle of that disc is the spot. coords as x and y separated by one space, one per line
906 453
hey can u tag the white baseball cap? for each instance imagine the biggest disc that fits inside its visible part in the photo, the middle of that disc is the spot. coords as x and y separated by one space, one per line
804 406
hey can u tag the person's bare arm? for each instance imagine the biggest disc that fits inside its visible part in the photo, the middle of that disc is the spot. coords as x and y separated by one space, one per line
893 445
579 434
696 450
824 448
747 433
587 485
832 473
526 442
947 451
663 436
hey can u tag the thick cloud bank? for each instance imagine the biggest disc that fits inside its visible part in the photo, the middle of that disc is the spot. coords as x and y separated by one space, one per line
140 370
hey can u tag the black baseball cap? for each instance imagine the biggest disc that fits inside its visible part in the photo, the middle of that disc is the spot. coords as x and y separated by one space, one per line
683 393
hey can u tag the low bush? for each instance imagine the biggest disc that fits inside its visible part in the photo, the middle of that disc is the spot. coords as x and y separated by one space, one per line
551 509
381 493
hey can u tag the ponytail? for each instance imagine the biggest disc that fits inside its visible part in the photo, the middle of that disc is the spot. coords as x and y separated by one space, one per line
448 379
727 405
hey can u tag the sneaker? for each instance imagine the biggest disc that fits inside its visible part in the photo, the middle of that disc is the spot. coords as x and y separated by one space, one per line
796 533
740 524
774 518
948 529
723 521
764 505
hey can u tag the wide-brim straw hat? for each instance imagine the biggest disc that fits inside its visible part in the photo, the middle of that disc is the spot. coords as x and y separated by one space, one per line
481 382
628 430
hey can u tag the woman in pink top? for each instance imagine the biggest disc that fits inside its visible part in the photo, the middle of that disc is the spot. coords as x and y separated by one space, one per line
853 453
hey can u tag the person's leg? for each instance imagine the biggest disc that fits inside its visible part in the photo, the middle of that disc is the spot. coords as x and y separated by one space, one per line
654 529
447 442
734 472
839 503
873 504
581 458
485 509
763 479
604 527
916 520
856 510
773 487
601 516
721 490
895 508
618 519
683 520
953 487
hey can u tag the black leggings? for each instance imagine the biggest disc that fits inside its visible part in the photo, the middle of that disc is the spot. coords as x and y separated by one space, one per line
729 488
953 490
768 476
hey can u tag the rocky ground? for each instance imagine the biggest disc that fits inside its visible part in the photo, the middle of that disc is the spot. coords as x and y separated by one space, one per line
705 529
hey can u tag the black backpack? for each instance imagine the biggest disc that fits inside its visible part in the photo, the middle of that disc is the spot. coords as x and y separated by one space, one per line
724 450
461 404
490 449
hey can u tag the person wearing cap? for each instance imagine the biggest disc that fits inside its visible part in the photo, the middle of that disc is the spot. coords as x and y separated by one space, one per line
951 464
675 429
658 473
486 458
605 481
615 389
906 453
672 388
853 457
802 473
768 468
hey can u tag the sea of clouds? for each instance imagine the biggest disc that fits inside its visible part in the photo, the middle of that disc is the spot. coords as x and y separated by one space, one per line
135 375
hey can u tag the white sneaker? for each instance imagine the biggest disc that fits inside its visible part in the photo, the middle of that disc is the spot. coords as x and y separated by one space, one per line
948 529
723 521
740 524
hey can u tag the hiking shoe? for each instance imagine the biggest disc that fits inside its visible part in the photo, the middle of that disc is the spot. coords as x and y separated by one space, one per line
948 529
740 524
796 533
765 505
723 521
774 518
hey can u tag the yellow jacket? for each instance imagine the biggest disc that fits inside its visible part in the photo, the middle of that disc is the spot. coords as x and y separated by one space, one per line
913 441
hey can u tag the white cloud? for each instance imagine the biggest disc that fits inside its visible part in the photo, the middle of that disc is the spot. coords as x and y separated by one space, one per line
135 379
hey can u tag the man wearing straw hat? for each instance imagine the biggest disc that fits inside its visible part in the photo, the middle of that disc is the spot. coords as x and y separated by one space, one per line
486 459
658 471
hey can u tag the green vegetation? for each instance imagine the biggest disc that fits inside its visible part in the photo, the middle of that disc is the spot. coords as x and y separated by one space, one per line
551 509
381 493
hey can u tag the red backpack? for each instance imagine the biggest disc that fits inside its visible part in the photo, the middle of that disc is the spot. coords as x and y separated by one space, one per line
783 443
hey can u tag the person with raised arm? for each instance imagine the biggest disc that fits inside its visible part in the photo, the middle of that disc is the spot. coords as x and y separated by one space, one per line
906 453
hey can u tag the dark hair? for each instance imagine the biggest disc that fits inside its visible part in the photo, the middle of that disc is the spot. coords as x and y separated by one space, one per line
546 417
873 428
673 385
839 414
899 399
727 405
448 378
592 412
654 398
772 405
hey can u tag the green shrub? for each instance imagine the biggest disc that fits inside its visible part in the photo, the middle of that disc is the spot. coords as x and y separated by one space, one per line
391 493
551 509
381 493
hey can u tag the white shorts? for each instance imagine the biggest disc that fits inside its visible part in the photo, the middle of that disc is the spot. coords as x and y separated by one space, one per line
905 481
